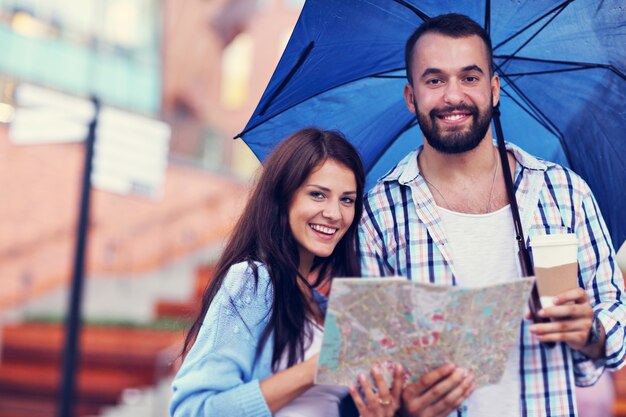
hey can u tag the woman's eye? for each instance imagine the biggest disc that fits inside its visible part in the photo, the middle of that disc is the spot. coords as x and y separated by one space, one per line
347 200
316 194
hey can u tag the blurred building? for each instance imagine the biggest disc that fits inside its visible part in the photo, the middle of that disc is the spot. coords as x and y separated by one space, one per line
107 48
218 58
199 65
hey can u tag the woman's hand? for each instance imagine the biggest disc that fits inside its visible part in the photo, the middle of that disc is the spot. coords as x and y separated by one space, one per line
383 403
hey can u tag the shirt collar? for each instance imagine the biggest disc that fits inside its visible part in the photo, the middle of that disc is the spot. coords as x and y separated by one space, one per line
407 169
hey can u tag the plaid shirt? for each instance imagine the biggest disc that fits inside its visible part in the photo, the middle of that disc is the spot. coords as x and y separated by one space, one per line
401 233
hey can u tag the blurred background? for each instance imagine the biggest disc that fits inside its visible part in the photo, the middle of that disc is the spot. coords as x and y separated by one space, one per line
177 80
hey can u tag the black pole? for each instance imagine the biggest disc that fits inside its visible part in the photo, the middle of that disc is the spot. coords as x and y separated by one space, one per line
526 264
72 321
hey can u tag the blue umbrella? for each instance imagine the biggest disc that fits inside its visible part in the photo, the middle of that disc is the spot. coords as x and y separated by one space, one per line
562 67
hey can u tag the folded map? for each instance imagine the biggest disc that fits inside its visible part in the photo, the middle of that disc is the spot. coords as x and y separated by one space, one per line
423 326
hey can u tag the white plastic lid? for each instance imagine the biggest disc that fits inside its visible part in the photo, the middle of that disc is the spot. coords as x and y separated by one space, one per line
554 240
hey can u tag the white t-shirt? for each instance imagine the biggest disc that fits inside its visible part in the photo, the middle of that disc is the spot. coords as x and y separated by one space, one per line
319 400
484 251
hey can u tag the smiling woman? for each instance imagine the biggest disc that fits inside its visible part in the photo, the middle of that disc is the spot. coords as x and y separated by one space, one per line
321 211
253 349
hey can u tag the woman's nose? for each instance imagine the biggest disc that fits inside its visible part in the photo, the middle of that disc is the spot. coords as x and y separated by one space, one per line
331 211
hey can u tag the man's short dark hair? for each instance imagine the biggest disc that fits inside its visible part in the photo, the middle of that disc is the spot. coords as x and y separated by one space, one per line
453 25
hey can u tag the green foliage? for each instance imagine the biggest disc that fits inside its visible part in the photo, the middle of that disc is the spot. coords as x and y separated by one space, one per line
158 324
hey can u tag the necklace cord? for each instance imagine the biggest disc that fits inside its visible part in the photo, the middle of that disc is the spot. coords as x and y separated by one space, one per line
493 182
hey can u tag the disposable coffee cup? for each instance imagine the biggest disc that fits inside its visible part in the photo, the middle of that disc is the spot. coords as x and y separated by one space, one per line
555 259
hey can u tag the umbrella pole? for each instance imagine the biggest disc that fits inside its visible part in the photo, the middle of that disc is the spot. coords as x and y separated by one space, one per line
534 302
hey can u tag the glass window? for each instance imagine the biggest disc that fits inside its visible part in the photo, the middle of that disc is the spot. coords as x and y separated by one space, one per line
236 71
295 4
105 47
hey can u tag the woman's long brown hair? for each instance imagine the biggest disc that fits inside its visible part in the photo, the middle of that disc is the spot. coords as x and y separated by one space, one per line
263 235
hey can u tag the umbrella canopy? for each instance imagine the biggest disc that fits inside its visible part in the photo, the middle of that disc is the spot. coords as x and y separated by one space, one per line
562 67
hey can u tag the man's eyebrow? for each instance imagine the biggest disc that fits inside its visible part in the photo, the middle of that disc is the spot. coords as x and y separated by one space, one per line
437 71
430 71
473 68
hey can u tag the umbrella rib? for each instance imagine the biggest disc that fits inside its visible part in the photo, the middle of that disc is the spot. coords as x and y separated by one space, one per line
549 125
582 65
388 76
488 17
377 75
406 127
303 56
525 28
414 9
521 74
562 7
538 119
548 61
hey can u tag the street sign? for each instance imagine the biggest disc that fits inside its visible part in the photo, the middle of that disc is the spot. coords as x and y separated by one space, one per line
130 155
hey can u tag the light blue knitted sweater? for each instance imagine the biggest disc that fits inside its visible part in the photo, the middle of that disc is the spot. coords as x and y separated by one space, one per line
220 376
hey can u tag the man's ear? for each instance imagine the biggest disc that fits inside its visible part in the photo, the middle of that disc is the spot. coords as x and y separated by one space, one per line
409 98
495 89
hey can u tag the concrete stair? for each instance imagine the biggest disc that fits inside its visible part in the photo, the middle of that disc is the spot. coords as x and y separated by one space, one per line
112 360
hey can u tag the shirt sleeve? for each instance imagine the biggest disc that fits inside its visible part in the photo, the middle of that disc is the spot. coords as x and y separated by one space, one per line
217 377
371 250
604 284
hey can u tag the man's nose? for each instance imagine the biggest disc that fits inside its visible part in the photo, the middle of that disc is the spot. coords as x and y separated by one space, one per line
454 93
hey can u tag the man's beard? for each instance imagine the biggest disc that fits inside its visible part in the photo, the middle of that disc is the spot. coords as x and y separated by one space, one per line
453 142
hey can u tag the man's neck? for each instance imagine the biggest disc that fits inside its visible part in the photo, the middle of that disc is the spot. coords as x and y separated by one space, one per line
469 182
447 168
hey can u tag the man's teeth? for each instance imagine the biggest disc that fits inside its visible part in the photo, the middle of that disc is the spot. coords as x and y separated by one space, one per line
453 117
323 229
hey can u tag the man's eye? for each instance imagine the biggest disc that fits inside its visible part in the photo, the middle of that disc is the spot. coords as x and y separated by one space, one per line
471 79
434 81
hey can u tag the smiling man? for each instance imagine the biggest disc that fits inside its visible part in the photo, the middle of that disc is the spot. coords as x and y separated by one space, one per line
449 97
442 216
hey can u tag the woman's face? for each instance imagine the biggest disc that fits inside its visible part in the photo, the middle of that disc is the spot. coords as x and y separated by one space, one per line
322 210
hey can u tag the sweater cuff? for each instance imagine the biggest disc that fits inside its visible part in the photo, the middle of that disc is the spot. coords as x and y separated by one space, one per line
246 398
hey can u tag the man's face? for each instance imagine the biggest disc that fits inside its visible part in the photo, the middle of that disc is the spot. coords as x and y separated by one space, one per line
452 93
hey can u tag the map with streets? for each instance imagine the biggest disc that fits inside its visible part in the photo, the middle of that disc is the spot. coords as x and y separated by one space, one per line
422 326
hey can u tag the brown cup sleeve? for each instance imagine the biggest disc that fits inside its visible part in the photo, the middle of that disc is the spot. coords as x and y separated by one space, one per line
555 280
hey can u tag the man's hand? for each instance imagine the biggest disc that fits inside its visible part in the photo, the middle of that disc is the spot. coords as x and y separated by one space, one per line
437 393
571 322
